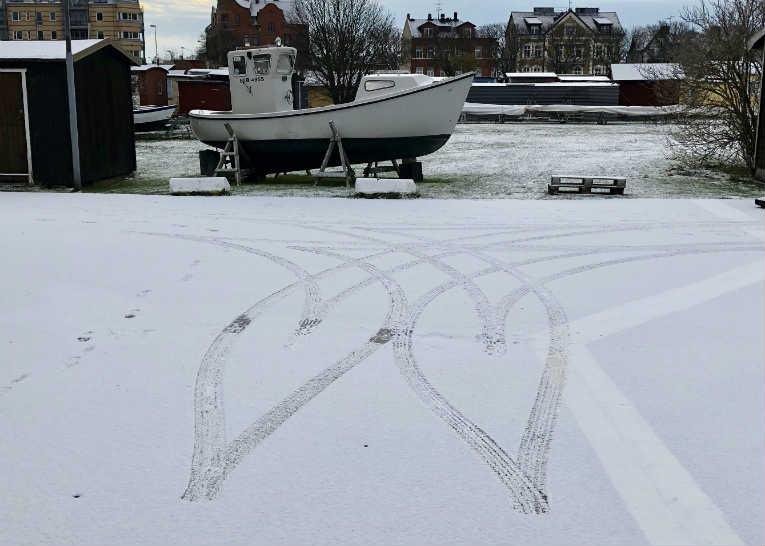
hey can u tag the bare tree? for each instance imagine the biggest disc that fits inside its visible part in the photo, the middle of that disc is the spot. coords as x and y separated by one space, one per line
503 56
719 78
348 39
217 45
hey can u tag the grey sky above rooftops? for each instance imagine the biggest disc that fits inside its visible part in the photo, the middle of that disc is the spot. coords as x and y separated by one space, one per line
180 22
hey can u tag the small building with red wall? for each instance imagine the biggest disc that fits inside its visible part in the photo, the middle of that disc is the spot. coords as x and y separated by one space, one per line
647 84
203 93
149 84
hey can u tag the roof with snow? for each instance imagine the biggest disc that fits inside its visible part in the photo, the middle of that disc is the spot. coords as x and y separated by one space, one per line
645 71
591 17
145 67
445 24
255 6
54 50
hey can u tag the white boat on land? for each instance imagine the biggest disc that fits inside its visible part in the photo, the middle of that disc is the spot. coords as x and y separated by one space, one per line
148 118
393 116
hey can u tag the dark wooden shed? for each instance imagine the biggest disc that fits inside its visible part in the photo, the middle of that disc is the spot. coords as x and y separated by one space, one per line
647 84
34 121
758 43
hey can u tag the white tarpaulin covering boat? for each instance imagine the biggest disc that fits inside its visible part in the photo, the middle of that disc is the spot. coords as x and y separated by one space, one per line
394 116
519 110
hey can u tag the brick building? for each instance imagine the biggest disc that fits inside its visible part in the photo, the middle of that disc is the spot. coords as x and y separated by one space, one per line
572 41
444 46
120 20
242 23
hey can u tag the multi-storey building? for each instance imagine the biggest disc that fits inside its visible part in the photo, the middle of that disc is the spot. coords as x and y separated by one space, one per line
120 20
447 46
3 21
573 41
243 23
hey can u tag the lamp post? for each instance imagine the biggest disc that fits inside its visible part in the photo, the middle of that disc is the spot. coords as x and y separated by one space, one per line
156 51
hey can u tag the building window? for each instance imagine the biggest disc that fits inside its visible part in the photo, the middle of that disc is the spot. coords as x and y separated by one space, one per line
599 70
418 70
53 35
428 32
17 35
236 19
577 52
561 52
430 53
52 15
271 28
527 51
418 52
524 69
99 16
535 29
538 51
100 35
467 33
247 40
569 30
578 70
536 68
29 15
40 35
16 16
38 17
159 87
29 35
478 52
430 71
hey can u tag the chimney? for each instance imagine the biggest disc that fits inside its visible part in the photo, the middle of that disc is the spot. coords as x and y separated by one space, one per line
455 15
430 17
443 17
408 17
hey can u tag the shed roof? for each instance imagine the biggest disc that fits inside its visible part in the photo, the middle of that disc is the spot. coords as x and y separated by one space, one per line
145 67
644 71
54 50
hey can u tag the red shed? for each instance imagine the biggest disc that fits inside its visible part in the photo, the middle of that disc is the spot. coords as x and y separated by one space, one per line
203 94
150 84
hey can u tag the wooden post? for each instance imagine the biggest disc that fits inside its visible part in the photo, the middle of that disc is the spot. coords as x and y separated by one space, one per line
72 100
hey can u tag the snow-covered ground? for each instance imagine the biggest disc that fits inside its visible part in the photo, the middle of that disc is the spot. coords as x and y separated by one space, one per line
300 371
513 160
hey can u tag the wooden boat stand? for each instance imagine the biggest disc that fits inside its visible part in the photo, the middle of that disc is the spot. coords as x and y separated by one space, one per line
347 172
373 170
229 162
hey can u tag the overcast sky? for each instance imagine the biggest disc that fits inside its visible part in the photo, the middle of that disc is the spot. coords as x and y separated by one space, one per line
180 22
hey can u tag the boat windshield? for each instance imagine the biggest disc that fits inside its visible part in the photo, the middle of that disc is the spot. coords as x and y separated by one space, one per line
285 63
261 64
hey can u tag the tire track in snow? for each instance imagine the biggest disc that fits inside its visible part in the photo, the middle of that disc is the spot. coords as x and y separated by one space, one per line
228 457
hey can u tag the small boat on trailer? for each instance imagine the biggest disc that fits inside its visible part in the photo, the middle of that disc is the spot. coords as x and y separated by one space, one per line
151 118
394 116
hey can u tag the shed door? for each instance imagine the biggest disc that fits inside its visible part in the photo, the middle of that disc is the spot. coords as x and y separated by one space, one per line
13 152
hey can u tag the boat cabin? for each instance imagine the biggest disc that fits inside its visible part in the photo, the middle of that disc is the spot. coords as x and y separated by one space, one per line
261 79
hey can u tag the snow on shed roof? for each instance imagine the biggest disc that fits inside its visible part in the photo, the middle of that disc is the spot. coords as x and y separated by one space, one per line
53 50
644 71
144 67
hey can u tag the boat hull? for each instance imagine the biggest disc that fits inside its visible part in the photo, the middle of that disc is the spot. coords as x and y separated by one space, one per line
152 118
408 124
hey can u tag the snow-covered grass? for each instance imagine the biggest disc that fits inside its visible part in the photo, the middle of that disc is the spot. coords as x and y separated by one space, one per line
480 161
181 370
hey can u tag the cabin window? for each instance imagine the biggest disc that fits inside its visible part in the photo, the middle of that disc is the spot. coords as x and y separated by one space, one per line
376 85
261 63
238 65
285 63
